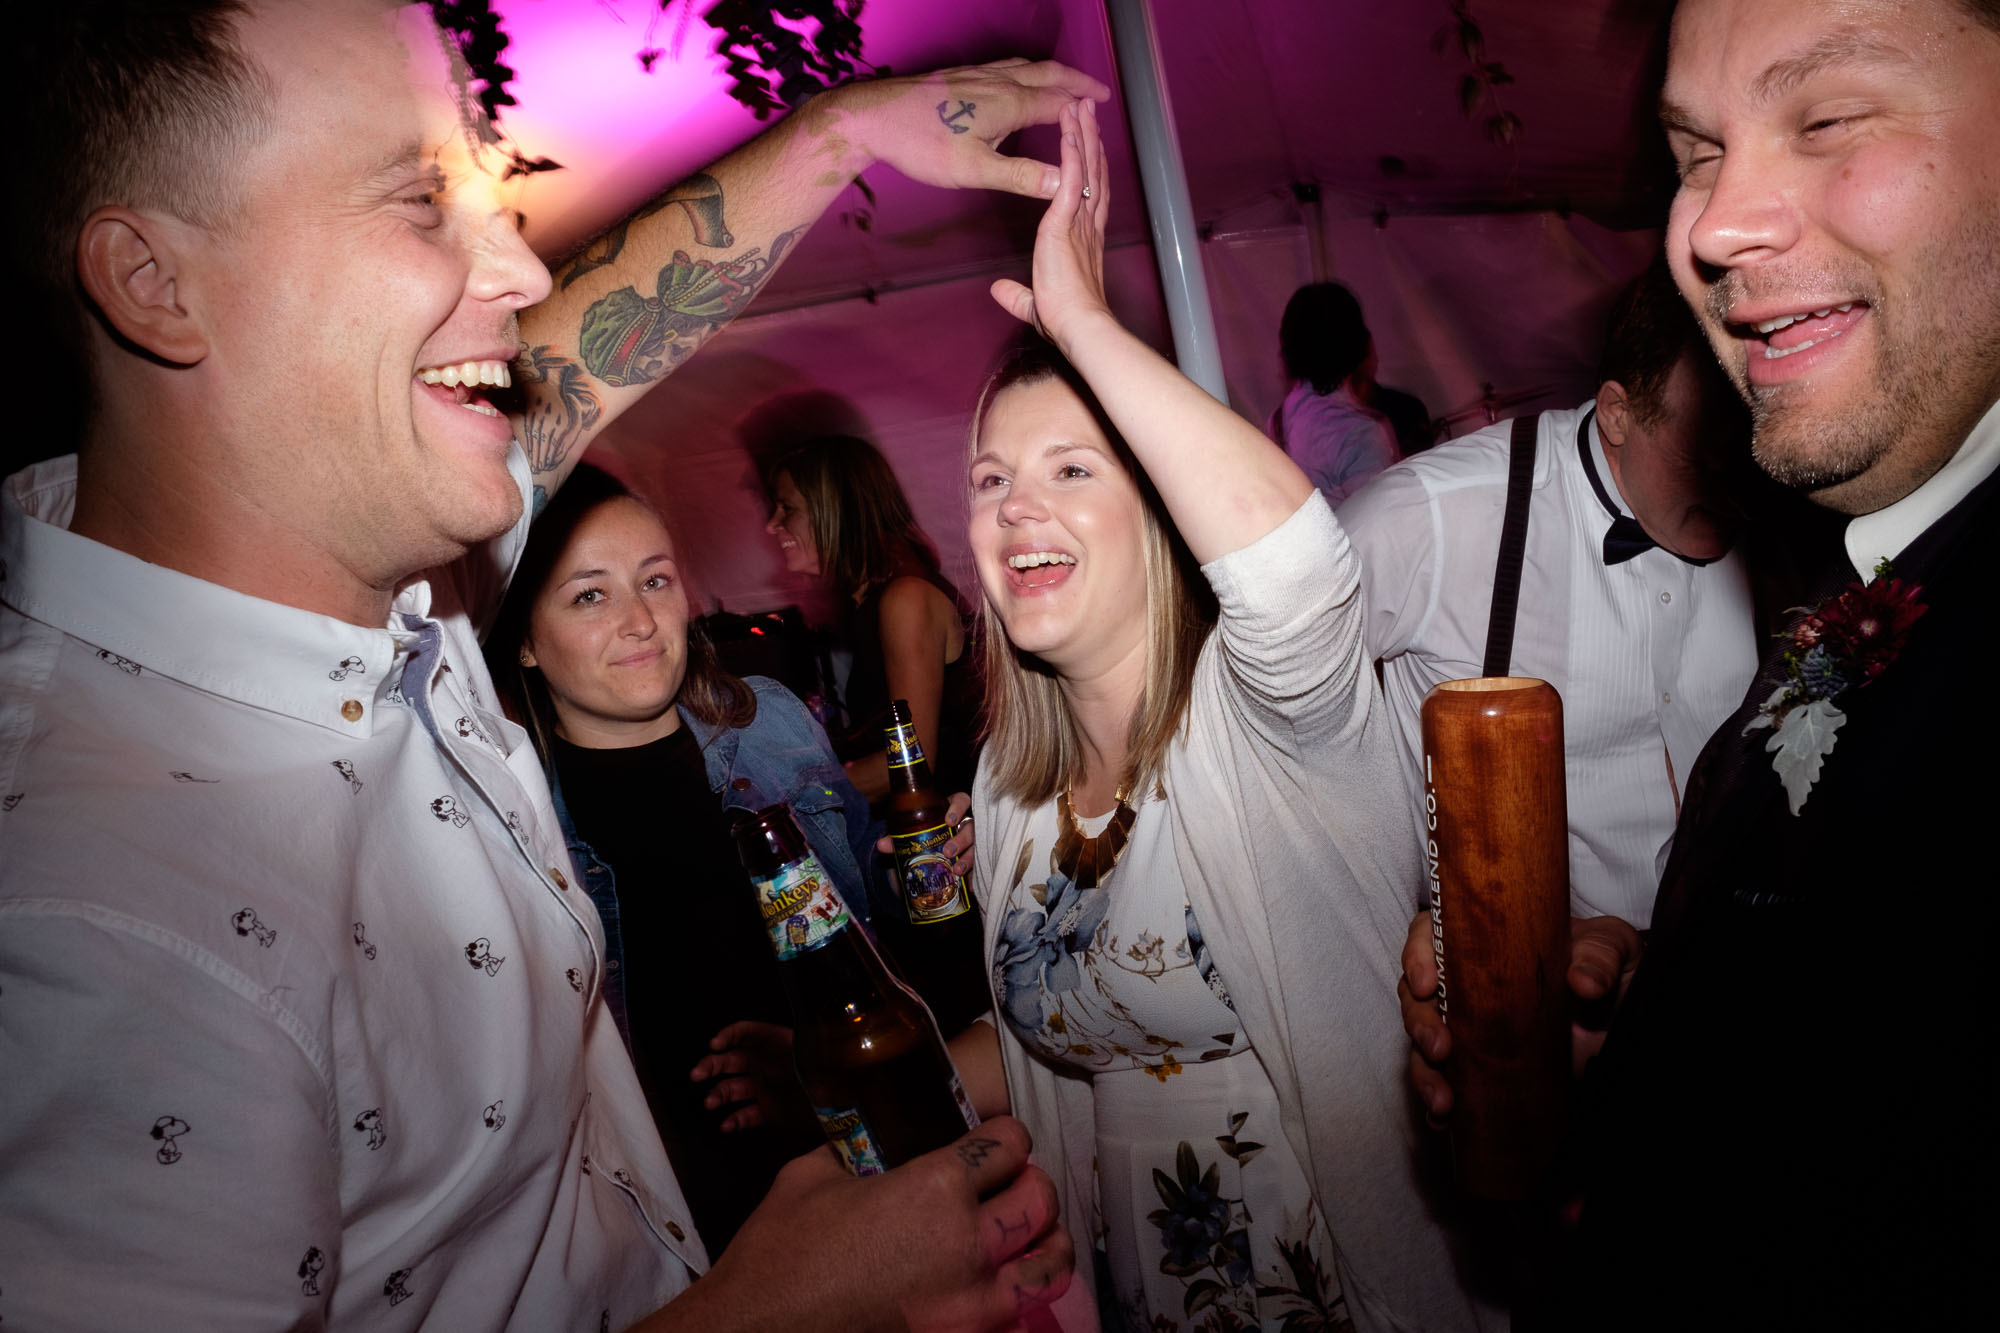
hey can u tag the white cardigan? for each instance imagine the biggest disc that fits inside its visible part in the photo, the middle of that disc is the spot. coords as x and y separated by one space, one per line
1298 845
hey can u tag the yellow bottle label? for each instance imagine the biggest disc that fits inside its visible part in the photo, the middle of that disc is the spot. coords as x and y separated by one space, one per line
903 748
931 892
801 909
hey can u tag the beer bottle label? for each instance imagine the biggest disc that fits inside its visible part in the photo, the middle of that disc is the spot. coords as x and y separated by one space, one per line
849 1135
801 909
931 892
903 748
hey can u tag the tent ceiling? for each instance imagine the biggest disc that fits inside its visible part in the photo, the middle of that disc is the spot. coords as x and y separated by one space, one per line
1347 94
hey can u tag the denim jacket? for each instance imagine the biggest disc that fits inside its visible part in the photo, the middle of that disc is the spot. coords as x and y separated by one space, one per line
781 756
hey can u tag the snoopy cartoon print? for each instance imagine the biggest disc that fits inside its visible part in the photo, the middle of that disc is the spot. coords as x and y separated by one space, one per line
369 1122
166 1129
480 954
493 1116
448 811
394 1288
248 925
310 1268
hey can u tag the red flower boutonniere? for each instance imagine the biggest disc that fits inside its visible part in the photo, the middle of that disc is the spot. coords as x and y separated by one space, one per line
1841 645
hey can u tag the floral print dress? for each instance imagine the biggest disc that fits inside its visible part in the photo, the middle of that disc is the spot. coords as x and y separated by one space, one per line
1209 1220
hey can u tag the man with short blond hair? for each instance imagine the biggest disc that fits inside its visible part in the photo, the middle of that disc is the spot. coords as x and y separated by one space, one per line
298 995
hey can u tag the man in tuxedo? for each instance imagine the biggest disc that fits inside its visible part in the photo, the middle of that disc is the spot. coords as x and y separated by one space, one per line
1771 1137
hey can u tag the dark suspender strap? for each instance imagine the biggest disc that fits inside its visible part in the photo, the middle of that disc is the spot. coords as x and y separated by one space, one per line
1513 544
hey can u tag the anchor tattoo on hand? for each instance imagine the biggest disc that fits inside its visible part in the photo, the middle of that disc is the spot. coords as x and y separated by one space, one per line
964 112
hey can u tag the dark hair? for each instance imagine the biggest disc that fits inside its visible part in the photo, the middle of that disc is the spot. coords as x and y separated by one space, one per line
862 522
708 691
1986 12
1650 328
146 103
1322 337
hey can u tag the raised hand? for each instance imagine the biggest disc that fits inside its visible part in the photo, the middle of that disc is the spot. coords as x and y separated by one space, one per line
945 128
1068 274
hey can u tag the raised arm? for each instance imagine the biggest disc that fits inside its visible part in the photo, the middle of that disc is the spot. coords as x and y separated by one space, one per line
637 301
1225 484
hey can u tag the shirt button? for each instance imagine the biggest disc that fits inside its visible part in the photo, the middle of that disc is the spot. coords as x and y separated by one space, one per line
1665 598
674 1230
557 876
351 710
1666 697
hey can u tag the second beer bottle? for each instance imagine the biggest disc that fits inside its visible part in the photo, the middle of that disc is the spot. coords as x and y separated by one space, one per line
938 944
868 1052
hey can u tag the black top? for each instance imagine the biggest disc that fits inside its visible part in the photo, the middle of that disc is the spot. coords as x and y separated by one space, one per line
696 957
868 690
1788 1118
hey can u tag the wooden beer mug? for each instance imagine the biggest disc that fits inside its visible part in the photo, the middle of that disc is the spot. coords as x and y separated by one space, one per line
1496 835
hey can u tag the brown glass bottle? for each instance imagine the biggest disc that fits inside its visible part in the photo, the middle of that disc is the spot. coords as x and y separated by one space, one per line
938 942
867 1050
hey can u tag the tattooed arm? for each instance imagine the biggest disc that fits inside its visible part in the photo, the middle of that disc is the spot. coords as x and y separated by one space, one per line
638 300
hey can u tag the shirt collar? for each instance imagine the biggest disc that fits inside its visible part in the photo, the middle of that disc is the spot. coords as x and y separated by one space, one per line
264 654
1594 465
1884 534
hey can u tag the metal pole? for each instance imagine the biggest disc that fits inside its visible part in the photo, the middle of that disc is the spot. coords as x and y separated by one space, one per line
1168 208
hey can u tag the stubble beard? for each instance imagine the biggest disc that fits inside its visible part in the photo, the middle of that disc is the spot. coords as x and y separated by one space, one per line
1935 370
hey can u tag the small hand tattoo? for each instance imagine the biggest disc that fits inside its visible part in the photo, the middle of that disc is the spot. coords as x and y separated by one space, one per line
1010 1229
964 112
975 1151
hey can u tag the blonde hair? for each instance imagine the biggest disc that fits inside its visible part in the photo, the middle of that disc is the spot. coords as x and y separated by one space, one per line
1032 746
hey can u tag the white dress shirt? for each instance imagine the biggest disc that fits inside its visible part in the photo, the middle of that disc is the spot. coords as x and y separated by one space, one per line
1883 534
1649 655
299 1010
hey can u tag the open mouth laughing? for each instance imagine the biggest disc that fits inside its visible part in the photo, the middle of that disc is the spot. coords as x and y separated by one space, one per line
461 382
1032 569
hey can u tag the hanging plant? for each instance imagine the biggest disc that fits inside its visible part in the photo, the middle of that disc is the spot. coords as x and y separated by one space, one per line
1478 87
777 54
473 42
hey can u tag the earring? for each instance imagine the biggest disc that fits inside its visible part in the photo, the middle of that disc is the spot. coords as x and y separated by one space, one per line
527 658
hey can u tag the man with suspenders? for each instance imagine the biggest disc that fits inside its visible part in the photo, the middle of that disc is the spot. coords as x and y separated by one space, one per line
1589 548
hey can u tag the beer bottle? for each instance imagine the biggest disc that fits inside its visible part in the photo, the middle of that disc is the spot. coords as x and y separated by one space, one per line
940 949
867 1050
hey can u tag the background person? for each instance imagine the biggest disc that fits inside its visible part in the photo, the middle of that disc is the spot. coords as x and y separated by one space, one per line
1632 602
1323 423
649 745
1196 864
839 514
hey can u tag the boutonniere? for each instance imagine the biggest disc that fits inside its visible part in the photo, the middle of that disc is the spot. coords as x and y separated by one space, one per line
1841 645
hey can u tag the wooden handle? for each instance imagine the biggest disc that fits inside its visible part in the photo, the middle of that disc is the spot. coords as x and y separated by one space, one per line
1497 857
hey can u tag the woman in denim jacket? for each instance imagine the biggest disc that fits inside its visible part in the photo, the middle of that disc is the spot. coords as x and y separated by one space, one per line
650 746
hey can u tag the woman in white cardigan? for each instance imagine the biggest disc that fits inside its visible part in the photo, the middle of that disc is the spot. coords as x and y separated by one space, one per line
1195 855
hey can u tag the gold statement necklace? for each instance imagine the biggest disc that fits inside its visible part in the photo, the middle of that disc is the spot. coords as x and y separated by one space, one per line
1087 860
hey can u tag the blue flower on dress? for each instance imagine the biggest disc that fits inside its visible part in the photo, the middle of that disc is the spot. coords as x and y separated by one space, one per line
1196 1216
1038 949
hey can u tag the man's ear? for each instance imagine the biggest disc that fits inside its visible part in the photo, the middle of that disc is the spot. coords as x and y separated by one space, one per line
134 267
1614 413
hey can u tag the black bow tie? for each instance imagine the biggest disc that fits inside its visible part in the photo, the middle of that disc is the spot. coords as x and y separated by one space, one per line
1626 538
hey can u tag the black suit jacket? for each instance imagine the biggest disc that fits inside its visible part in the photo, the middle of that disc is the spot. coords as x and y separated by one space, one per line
1789 1123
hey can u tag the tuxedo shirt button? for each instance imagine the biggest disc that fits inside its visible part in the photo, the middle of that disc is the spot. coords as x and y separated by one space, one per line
1666 598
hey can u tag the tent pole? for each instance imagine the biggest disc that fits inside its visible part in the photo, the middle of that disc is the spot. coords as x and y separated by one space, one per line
1169 210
